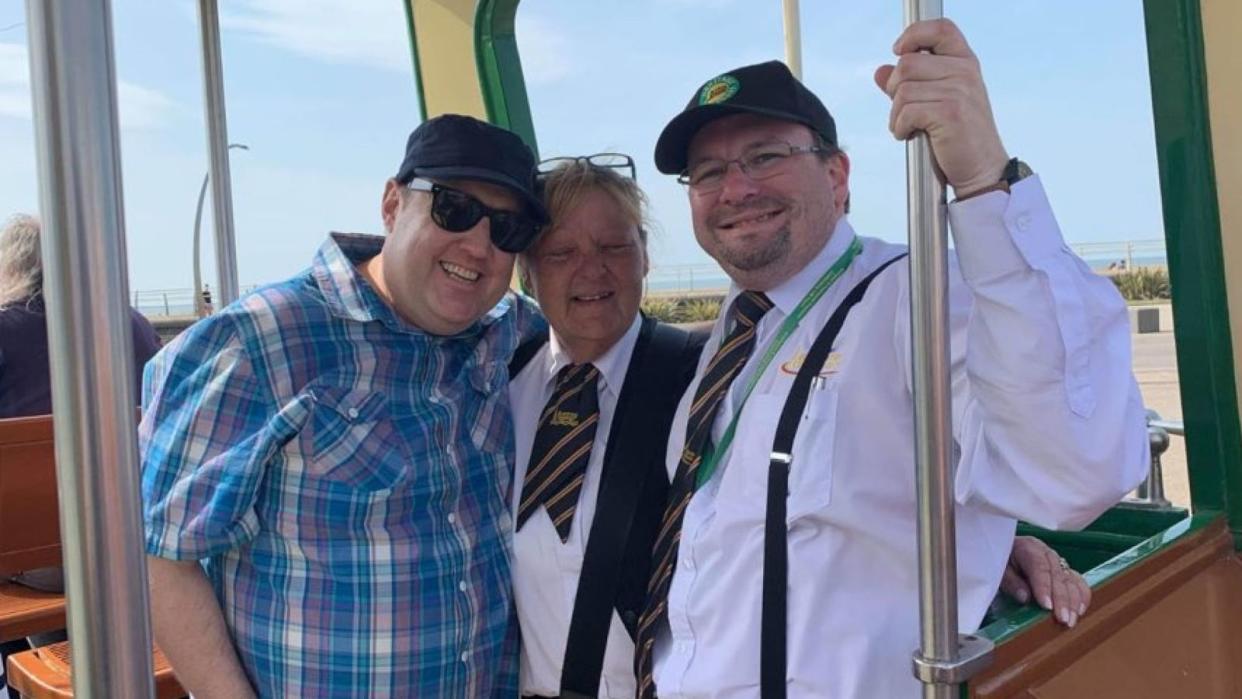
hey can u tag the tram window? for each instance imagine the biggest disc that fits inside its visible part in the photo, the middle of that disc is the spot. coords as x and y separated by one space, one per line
322 94
1071 97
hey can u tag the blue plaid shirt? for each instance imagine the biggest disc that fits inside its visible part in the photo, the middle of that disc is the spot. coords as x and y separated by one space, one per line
343 477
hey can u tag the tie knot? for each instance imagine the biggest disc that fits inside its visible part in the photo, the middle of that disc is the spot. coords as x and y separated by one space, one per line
749 307
573 375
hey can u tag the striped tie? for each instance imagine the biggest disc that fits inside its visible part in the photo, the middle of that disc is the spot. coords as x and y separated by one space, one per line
558 459
748 308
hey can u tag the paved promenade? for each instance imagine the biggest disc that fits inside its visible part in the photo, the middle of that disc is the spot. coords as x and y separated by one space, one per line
1155 368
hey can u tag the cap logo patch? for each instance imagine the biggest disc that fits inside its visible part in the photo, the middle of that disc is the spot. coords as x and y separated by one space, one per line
718 90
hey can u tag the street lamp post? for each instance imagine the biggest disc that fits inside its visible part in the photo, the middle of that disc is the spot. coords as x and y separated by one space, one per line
199 306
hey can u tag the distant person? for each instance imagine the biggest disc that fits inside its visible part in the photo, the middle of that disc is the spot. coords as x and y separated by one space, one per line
207 308
25 381
25 377
326 462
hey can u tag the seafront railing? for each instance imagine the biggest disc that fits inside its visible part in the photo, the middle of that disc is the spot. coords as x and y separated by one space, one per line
708 279
172 302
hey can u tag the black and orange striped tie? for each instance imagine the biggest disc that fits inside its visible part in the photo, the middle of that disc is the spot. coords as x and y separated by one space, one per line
748 308
562 448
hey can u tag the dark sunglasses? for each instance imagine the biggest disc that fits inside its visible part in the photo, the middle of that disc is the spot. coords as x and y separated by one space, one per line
457 212
612 161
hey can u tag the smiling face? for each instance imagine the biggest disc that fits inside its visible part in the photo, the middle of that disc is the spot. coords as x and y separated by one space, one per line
439 281
587 273
763 232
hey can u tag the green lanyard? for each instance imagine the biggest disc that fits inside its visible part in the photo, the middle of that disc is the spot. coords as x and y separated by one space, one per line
712 458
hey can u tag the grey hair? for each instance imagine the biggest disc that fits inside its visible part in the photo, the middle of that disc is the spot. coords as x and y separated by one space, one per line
21 265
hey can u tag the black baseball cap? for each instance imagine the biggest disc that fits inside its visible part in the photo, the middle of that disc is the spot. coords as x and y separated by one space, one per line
767 89
456 146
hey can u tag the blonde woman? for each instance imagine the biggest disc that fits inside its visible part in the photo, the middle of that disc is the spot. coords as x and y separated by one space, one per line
25 383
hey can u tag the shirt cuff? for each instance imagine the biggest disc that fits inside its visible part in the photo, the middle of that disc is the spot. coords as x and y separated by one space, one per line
998 233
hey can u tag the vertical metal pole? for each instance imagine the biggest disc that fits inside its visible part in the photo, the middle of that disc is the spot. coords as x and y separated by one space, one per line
217 146
74 86
929 320
793 38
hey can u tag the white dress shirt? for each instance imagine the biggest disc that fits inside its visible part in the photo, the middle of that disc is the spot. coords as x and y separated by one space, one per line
1048 427
545 570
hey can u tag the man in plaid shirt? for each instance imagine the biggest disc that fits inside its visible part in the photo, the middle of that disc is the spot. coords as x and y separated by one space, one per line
326 462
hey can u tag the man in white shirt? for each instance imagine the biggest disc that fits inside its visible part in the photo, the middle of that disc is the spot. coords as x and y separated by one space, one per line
1047 419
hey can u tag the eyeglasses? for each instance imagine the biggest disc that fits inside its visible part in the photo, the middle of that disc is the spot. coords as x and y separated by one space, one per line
612 161
759 162
457 212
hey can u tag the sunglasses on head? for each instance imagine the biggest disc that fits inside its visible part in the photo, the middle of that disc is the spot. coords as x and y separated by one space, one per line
612 161
456 212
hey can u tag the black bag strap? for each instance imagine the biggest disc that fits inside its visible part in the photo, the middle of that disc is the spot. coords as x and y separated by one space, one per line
662 359
526 352
772 654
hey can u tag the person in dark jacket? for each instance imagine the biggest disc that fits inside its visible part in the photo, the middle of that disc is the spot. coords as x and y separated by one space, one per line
25 378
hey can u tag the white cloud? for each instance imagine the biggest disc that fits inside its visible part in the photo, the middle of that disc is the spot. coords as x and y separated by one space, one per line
140 107
143 108
374 34
369 33
546 50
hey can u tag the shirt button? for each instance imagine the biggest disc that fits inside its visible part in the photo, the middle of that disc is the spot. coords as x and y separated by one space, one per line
1023 222
465 656
452 518
463 586
352 413
687 564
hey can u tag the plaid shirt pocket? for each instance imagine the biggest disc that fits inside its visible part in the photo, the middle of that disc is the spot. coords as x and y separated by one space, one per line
352 439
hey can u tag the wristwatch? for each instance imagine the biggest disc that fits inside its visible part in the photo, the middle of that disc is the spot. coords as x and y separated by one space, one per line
1015 171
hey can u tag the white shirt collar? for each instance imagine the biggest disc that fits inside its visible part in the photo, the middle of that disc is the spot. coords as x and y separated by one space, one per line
612 365
788 295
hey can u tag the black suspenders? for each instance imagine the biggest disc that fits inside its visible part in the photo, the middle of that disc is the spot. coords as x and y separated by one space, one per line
772 654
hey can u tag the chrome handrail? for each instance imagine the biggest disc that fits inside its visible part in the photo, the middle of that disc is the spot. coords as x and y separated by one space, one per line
1176 427
73 82
944 659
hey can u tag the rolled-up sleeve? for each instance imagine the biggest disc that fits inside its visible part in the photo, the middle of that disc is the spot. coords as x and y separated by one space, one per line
1047 414
205 438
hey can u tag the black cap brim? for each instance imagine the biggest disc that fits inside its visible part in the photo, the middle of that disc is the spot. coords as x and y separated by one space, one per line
533 204
673 145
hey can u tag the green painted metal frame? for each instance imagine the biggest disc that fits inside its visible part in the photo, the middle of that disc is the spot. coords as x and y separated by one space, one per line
1196 261
418 74
500 69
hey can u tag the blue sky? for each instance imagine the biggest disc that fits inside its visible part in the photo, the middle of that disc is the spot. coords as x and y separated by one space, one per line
322 92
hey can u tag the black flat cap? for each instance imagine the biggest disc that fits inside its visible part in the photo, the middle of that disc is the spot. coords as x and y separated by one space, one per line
455 146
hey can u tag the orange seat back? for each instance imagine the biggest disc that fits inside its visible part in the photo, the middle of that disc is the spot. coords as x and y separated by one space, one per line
29 519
